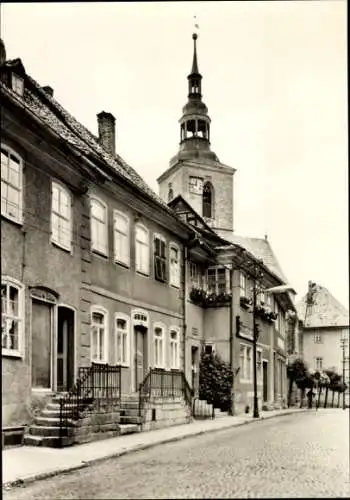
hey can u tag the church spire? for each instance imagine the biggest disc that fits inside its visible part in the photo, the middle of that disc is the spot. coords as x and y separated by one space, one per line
194 78
195 62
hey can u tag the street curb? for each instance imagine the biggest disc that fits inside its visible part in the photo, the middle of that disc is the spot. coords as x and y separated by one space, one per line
140 447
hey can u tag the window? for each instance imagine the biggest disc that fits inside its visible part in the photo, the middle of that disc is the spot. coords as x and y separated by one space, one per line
268 298
317 338
245 363
218 280
142 249
12 316
318 364
170 195
242 285
99 332
121 238
174 350
194 274
209 348
159 346
277 311
207 200
174 265
122 339
61 217
249 363
17 84
99 227
159 259
11 185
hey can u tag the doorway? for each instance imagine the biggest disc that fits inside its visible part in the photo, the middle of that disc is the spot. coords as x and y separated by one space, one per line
140 354
42 314
65 348
265 381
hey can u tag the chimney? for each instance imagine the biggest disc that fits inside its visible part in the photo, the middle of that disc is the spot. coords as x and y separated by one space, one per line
48 90
106 131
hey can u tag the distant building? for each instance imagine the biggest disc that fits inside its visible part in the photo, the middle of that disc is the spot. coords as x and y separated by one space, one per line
325 330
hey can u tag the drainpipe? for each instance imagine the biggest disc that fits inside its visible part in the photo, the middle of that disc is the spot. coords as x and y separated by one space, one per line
184 305
231 410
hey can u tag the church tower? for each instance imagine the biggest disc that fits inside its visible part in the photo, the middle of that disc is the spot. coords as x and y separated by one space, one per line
195 172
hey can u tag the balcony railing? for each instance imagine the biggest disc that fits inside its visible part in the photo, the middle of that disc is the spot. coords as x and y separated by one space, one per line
205 298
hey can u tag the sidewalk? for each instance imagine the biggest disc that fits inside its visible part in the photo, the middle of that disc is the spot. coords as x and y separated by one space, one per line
28 463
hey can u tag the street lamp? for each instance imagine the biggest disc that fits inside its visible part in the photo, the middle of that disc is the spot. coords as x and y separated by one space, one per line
343 343
274 290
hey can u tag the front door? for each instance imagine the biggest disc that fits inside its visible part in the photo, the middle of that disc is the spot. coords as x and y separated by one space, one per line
140 354
265 381
41 344
65 348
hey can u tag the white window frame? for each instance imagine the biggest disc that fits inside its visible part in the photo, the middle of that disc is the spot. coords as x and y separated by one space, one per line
259 372
67 218
17 84
317 359
156 350
95 246
6 317
125 355
318 338
165 258
174 361
100 310
5 182
174 268
242 285
216 285
194 274
142 268
246 373
124 238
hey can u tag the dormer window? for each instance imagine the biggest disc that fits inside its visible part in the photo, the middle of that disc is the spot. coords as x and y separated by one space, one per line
17 84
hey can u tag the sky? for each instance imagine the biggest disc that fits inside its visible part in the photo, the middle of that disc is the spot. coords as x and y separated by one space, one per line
275 83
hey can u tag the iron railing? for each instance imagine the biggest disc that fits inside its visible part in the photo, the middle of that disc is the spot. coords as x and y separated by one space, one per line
98 382
163 384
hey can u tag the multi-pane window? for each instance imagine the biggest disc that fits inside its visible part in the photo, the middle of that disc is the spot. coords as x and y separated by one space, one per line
11 317
158 343
122 339
121 238
174 350
159 259
194 274
245 360
61 217
11 185
318 363
17 84
99 328
218 280
142 249
242 285
317 338
174 267
99 227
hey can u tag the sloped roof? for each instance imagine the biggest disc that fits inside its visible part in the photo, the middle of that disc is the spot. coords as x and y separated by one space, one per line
68 128
261 249
325 311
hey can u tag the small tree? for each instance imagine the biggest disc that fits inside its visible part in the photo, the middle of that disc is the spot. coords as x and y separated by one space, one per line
215 381
296 373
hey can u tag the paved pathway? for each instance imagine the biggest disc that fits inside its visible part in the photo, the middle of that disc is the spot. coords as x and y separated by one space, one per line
298 456
27 463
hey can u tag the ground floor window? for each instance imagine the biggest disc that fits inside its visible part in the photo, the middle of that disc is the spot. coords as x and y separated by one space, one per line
158 343
174 350
11 316
122 339
246 363
99 331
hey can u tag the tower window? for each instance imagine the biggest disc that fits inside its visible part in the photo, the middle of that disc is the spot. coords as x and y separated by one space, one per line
170 194
208 200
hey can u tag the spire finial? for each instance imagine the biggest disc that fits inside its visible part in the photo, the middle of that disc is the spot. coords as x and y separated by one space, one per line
194 37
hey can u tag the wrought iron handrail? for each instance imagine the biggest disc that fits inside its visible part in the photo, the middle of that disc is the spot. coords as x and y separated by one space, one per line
95 382
164 384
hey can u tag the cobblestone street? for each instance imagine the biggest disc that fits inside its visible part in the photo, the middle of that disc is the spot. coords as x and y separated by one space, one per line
300 455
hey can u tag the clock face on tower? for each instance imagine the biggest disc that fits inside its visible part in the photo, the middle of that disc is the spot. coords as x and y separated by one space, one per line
196 185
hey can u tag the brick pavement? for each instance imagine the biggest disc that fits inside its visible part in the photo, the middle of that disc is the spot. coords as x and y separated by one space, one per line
28 463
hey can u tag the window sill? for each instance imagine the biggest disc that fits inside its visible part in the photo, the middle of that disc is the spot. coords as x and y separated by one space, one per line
122 264
61 246
141 273
124 365
17 222
99 253
99 361
11 353
175 286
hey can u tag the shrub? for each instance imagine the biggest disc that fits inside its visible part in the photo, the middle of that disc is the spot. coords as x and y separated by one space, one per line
215 381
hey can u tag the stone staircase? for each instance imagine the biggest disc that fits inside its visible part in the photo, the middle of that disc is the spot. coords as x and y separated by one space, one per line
129 419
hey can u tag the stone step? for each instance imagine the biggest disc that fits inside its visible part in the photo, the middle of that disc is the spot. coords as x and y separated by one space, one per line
41 430
129 419
132 412
129 404
47 441
128 428
50 421
219 413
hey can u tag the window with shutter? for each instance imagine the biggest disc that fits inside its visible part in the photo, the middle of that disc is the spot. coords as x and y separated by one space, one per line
159 259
